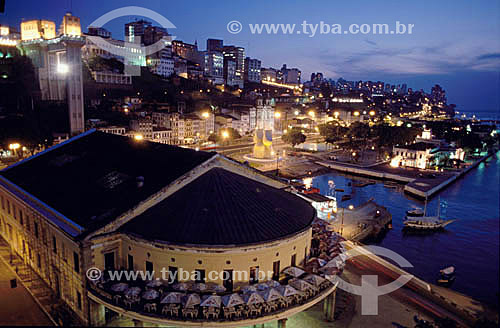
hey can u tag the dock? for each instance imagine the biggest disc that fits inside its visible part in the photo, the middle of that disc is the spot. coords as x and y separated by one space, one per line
362 222
421 187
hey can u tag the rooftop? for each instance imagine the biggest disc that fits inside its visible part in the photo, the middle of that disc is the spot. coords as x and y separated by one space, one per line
417 146
223 208
93 178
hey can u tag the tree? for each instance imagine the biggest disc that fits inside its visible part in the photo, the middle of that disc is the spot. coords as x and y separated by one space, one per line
332 133
294 137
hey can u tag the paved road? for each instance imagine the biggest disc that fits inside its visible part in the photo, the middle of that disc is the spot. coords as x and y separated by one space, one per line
17 307
362 265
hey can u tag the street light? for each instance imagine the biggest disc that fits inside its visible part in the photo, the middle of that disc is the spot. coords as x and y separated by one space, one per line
62 68
14 146
312 114
138 137
277 114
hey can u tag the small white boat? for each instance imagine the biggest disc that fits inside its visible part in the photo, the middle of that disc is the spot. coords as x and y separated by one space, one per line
416 212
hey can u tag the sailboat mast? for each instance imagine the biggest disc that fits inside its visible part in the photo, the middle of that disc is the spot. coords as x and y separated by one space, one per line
439 207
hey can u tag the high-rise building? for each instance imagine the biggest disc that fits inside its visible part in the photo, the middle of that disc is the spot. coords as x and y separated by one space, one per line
237 54
230 71
214 45
153 34
134 31
252 70
214 66
290 75
58 63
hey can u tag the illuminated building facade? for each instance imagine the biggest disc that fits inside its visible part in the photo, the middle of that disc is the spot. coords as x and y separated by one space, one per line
162 207
252 70
58 63
38 29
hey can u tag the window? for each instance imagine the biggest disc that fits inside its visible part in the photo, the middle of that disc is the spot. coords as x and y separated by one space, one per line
130 262
8 206
3 204
76 262
54 244
109 261
79 300
254 275
65 258
276 270
172 275
199 275
228 279
149 266
21 220
36 229
294 260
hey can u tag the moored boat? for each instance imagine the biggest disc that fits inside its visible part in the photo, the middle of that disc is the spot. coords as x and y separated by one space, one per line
417 219
446 276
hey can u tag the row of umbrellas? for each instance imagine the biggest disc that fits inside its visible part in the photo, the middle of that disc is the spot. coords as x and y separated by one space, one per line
200 287
253 294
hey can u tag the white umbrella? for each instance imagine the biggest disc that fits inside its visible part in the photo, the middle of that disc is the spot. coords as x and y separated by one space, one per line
200 287
287 290
253 298
181 286
329 270
211 286
273 283
119 287
191 300
150 294
248 289
335 263
294 271
300 284
132 292
262 286
319 261
270 294
172 298
154 283
232 300
314 280
211 300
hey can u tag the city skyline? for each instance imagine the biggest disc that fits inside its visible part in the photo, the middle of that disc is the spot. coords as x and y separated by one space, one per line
464 58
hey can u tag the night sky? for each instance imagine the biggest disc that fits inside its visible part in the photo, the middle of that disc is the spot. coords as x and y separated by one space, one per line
454 43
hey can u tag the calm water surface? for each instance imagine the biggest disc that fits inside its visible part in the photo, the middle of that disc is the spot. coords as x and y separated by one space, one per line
471 243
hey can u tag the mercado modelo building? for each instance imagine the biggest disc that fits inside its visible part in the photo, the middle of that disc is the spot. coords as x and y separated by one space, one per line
100 204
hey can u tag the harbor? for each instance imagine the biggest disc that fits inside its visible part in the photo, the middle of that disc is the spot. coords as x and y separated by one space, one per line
471 201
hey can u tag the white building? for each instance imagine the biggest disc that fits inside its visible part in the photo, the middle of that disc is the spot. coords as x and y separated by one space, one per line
161 66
